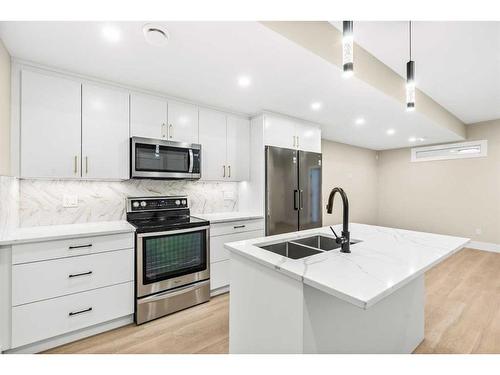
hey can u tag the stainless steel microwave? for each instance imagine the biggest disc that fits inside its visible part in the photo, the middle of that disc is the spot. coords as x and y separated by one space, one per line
159 159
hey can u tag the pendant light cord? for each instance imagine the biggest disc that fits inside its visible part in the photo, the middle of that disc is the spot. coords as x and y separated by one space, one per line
409 27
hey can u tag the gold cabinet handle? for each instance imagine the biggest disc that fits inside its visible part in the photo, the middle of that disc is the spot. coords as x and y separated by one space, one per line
76 162
170 130
229 168
86 165
224 168
163 130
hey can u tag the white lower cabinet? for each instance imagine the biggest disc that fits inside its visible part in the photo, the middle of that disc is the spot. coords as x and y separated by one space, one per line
45 319
221 233
55 278
61 286
219 274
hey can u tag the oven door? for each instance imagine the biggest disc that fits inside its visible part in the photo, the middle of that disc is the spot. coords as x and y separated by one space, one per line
170 259
155 158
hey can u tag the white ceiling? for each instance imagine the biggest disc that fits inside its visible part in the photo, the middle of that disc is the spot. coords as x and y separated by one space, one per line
456 63
202 63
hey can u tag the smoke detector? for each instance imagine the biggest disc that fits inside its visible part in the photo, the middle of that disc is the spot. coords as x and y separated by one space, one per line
155 34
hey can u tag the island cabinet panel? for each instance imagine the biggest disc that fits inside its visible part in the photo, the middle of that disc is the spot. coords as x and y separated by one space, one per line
394 325
266 310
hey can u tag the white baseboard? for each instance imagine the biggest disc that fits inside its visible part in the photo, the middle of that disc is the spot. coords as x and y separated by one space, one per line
221 290
485 246
41 346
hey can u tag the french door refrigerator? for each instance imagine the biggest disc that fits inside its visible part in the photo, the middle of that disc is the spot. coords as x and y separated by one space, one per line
293 190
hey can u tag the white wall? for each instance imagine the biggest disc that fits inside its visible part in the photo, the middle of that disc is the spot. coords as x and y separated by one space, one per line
453 197
355 170
4 110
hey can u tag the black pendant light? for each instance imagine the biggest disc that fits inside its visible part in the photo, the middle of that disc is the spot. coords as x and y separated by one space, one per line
410 78
347 48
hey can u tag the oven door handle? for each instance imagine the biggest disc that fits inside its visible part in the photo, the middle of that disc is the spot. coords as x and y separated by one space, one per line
176 292
170 232
191 160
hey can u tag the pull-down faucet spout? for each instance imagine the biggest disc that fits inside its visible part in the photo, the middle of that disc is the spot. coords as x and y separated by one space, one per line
345 239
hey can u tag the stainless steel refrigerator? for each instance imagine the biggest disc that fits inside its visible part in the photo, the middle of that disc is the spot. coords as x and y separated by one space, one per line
293 190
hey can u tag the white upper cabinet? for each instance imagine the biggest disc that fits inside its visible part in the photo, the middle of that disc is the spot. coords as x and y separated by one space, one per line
238 148
155 117
105 132
50 126
148 116
213 145
279 131
308 137
225 146
182 122
286 132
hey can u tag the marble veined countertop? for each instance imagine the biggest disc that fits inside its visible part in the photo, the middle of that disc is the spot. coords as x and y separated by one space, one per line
383 262
229 216
57 232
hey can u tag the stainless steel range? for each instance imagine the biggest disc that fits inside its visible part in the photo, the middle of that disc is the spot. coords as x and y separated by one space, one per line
172 256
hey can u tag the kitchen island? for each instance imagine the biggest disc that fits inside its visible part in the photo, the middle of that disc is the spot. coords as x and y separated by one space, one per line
368 301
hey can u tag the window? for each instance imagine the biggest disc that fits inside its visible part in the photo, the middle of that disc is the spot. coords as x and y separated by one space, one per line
463 150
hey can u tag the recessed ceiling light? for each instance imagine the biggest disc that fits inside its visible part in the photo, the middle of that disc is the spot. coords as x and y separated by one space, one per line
111 33
412 139
316 106
359 121
244 81
155 34
390 132
421 139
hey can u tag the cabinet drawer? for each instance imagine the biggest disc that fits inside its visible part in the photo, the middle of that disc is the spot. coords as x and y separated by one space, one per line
54 278
217 250
33 252
219 274
41 320
220 229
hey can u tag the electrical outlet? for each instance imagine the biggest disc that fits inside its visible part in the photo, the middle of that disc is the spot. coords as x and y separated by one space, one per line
70 200
228 195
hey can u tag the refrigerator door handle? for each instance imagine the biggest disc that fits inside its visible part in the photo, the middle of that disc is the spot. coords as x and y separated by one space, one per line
296 199
301 199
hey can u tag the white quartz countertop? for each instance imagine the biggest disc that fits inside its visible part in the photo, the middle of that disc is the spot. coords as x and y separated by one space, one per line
222 217
384 261
56 232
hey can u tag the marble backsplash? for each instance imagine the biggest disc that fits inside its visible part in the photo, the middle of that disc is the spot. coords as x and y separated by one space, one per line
9 199
40 201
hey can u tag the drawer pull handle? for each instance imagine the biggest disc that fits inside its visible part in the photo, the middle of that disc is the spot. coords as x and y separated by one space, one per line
239 226
80 274
80 246
80 312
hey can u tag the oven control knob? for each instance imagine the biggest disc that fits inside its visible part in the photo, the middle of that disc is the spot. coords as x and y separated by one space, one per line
184 202
135 204
143 204
177 202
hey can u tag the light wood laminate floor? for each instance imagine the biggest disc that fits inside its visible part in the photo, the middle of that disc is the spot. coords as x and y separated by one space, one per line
462 315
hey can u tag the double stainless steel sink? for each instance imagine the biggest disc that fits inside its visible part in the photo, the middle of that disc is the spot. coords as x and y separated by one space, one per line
303 247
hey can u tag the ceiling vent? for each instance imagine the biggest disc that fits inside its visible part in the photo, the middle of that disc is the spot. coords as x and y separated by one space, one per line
155 34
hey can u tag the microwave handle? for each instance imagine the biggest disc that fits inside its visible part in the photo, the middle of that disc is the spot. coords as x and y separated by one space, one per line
191 161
